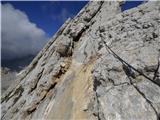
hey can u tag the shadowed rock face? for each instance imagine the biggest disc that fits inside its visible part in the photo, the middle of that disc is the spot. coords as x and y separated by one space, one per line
101 65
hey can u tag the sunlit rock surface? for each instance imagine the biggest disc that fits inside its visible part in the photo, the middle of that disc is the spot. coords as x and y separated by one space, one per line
100 65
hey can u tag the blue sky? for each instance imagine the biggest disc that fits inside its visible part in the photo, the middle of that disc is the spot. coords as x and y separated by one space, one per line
130 4
49 15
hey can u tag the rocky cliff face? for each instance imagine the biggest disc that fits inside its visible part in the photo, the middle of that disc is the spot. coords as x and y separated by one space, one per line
101 65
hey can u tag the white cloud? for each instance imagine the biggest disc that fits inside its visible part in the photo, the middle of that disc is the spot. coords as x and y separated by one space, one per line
20 37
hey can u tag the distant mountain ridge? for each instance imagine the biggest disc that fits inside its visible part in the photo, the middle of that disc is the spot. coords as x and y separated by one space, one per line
19 63
7 78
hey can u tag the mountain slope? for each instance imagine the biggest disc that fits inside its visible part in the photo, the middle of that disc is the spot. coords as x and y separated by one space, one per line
101 65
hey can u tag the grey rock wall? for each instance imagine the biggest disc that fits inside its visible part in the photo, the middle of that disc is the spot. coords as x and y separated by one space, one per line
101 65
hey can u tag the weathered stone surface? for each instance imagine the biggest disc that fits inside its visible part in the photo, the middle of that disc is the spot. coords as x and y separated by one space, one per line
101 65
125 94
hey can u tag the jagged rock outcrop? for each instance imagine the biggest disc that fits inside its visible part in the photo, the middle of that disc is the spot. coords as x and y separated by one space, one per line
101 65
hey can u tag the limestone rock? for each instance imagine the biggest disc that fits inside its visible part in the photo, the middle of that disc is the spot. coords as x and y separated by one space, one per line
103 64
64 46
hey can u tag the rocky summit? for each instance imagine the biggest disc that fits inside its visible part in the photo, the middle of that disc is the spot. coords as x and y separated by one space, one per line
104 64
